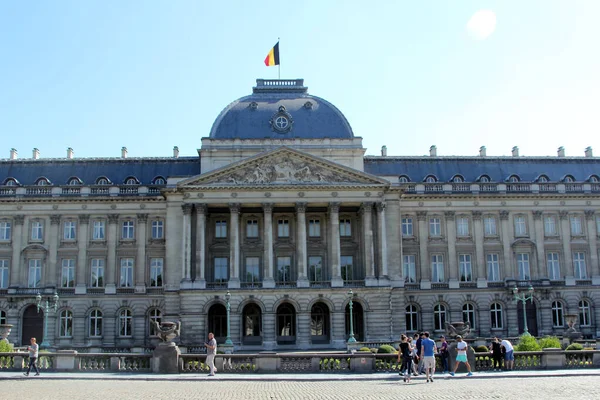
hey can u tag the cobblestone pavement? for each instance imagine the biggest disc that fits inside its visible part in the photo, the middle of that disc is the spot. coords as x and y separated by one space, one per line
573 387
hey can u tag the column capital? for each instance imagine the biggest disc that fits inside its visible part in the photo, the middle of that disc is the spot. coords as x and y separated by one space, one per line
200 208
421 215
187 208
234 208
84 219
300 207
380 206
589 214
537 214
19 219
54 219
334 207
504 215
367 206
563 214
267 207
449 215
113 218
476 215
142 218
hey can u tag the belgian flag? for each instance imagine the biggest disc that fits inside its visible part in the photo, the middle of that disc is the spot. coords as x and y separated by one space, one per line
273 56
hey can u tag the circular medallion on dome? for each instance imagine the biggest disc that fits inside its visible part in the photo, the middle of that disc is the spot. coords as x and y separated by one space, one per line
282 121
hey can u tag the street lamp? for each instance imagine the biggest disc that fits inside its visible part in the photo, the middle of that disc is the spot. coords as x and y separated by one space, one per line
48 305
523 297
351 338
228 341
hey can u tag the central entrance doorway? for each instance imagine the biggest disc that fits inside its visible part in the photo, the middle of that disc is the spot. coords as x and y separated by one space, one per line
33 325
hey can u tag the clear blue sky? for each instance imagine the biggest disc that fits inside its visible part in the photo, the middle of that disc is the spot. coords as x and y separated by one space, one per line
149 75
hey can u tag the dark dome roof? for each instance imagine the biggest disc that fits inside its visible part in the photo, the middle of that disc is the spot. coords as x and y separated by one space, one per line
281 109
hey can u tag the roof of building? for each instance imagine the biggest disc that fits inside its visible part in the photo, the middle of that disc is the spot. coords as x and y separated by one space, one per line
301 115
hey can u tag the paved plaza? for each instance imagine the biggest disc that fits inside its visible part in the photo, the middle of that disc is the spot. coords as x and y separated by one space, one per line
555 385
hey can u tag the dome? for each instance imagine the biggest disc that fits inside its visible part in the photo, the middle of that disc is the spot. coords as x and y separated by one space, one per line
281 109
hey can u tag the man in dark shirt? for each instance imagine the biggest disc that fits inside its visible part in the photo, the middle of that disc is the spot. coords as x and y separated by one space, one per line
420 368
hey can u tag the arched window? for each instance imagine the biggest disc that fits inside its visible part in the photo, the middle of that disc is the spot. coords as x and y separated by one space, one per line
217 322
430 179
42 182
2 317
557 314
439 317
159 180
496 316
10 182
403 179
154 316
286 324
569 179
412 318
514 178
458 179
131 181
585 313
125 323
542 179
319 323
468 313
358 326
252 324
74 181
102 181
95 329
592 179
66 323
484 179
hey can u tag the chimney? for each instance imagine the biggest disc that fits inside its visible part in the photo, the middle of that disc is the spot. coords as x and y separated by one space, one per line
123 152
70 153
588 152
561 151
433 151
13 154
515 151
176 152
384 151
482 151
36 153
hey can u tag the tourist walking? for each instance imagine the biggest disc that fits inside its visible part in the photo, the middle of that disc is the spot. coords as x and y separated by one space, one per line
496 349
428 350
509 356
33 350
415 354
405 357
461 355
444 354
211 352
419 349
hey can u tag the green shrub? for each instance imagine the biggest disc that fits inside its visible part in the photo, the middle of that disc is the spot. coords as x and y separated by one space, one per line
5 347
386 349
364 349
549 342
575 346
528 343
373 350
481 349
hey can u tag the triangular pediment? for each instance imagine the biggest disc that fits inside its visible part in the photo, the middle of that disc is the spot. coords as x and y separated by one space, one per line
283 167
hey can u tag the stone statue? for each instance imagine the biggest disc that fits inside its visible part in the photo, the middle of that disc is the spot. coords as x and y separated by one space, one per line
167 331
455 329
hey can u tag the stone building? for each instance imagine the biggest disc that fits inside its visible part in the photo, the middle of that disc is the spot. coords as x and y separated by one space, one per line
283 209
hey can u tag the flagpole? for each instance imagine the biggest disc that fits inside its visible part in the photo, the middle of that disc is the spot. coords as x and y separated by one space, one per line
279 65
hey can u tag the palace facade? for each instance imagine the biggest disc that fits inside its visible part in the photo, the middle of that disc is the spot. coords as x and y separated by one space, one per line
283 210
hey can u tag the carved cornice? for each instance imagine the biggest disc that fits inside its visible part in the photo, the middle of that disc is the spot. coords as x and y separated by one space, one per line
504 215
113 218
476 215
19 219
84 219
537 215
300 207
589 214
55 219
142 218
187 208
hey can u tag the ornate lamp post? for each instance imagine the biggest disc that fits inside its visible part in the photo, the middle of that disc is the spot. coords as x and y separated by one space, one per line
351 338
523 297
49 304
228 341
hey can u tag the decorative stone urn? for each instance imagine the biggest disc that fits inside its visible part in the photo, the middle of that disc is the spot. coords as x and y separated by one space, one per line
5 331
571 331
454 329
166 356
167 331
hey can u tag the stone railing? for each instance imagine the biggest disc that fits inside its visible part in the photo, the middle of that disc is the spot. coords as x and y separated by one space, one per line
80 191
70 360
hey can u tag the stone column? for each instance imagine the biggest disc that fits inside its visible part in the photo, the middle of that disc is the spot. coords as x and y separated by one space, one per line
480 270
51 277
383 272
140 262
111 257
424 269
366 212
452 259
592 234
334 231
301 252
186 246
508 262
82 243
393 226
16 251
540 267
200 245
565 236
303 330
268 281
234 247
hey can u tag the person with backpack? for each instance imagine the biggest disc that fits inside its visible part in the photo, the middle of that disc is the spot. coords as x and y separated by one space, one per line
405 356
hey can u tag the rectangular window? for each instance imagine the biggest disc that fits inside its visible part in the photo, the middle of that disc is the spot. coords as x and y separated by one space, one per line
127 231
550 225
314 227
347 268
493 267
252 228
156 272
221 229
283 228
315 269
553 266
579 265
576 227
99 232
4 268
69 231
220 269
520 226
158 229
5 230
97 273
68 273
489 224
462 226
407 226
409 269
37 230
126 279
35 273
437 268
523 266
435 227
465 268
252 270
345 227
284 269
